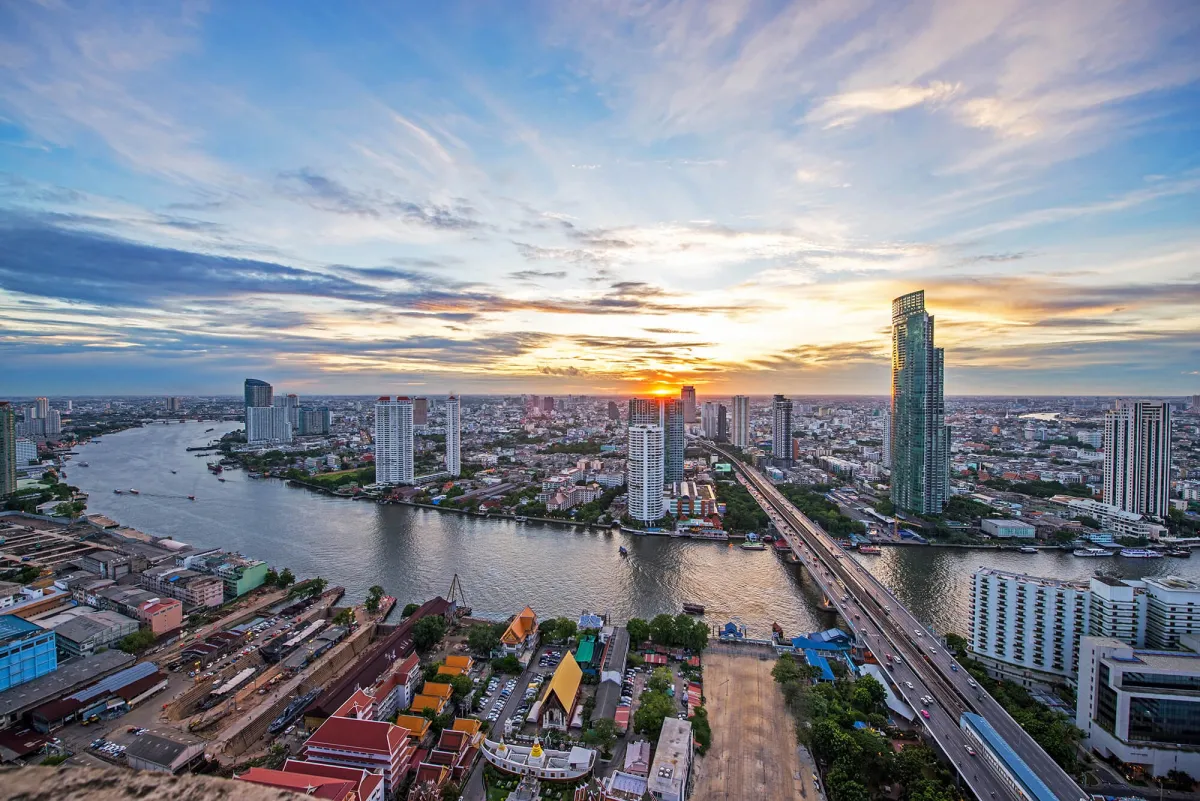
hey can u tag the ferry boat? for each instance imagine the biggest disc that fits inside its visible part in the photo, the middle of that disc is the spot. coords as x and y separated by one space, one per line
207 430
521 519
1027 549
134 492
623 551
869 549
1180 553
1092 552
693 609
753 545
1140 553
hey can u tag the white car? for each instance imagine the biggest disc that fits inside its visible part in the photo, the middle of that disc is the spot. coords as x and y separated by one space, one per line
971 682
909 685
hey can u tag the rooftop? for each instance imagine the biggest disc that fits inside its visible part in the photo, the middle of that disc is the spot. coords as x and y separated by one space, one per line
157 749
69 675
13 627
672 760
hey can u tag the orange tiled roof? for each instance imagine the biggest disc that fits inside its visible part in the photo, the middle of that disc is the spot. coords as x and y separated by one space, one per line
459 661
564 685
438 689
522 626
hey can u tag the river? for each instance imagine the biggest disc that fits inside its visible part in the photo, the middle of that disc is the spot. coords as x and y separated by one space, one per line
504 565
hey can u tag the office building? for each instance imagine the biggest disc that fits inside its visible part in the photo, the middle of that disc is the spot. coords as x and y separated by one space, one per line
8 449
394 441
674 443
291 405
83 634
614 411
1027 628
722 423
781 428
173 404
708 420
1137 457
644 472
920 439
688 396
740 433
27 452
1141 707
547 405
420 411
27 651
453 435
258 393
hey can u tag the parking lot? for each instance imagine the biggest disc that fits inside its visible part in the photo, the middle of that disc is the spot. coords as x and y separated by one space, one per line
510 698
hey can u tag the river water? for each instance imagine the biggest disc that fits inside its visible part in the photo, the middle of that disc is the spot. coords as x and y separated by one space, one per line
504 565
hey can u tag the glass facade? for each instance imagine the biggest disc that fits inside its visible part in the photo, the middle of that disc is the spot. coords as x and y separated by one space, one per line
1164 720
28 655
1106 700
919 436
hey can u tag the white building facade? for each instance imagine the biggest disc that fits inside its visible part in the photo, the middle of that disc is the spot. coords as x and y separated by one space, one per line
739 434
644 472
781 428
1137 457
394 441
453 436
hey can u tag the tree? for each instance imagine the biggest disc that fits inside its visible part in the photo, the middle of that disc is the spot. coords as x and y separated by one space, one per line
662 630
659 680
374 597
507 664
653 710
271 579
869 694
140 640
409 609
428 632
483 638
286 578
786 669
638 629
451 791
461 685
603 734
344 617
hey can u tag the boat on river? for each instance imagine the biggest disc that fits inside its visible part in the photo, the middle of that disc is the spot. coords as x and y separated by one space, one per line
1140 553
871 549
623 551
191 497
134 492
1180 553
753 545
118 492
1027 549
693 609
1091 552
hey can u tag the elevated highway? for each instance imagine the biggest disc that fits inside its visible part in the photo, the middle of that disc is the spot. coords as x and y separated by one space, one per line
925 669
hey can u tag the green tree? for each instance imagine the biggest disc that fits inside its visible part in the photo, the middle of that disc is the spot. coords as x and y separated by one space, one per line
662 630
603 734
428 632
651 712
659 680
639 631
869 694
461 685
409 609
483 638
271 579
286 578
786 669
344 617
374 598
140 640
507 664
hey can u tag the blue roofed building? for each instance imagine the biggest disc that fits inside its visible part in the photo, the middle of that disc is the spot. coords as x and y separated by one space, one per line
828 640
27 651
590 621
1003 760
820 663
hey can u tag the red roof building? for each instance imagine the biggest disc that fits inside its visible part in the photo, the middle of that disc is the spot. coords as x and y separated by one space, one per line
371 745
320 781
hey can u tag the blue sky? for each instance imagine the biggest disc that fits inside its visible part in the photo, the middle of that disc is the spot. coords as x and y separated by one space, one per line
597 197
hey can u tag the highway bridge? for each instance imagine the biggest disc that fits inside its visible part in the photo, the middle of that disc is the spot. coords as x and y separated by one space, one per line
925 669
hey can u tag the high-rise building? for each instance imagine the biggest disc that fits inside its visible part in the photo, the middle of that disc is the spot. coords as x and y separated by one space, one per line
722 423
688 396
315 421
781 428
173 404
614 411
27 452
8 449
258 393
52 423
547 404
886 451
708 420
740 435
920 437
645 411
420 411
1195 405
291 405
644 472
453 435
268 425
394 441
674 442
1137 457
43 408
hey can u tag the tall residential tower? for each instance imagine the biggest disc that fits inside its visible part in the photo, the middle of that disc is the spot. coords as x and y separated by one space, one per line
920 439
740 435
1137 457
8 449
644 472
781 428
394 440
453 436
688 396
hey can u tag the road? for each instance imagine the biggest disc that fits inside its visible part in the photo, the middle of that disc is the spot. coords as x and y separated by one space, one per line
887 626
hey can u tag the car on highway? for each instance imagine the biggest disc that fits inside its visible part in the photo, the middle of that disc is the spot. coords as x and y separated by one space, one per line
970 750
971 682
925 714
909 685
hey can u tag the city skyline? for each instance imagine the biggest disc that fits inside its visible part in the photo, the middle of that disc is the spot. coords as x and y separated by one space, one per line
597 200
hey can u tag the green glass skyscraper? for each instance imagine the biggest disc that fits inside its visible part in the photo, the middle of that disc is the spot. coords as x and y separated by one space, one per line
920 439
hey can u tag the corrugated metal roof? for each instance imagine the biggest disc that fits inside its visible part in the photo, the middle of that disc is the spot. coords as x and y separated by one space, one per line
1033 786
116 681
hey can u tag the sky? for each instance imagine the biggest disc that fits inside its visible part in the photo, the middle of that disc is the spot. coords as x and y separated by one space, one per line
600 197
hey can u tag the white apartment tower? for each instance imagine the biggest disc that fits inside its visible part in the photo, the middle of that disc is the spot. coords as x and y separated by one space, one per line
644 472
740 435
1137 457
886 450
394 440
453 436
709 419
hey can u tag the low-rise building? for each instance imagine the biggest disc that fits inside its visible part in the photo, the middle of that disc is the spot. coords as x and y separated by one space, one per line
27 651
372 745
557 706
521 633
112 695
690 499
107 564
195 589
1139 706
1119 521
668 779
1008 529
17 702
162 615
161 753
83 634
327 782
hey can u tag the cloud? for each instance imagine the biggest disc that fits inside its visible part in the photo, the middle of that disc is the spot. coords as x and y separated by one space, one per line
531 275
326 194
848 108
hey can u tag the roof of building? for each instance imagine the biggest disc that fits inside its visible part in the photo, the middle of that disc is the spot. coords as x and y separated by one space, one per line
819 662
352 734
355 705
157 749
586 651
154 607
450 670
459 661
83 627
72 674
428 772
1033 786
637 757
564 685
415 725
521 627
367 781
13 627
323 787
469 725
423 702
435 688
674 747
